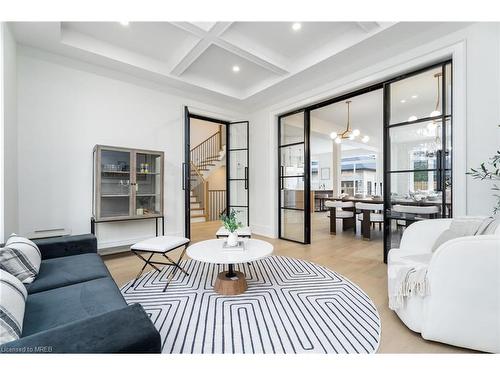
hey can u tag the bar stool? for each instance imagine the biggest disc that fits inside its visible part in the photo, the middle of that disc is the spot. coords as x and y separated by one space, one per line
371 214
341 210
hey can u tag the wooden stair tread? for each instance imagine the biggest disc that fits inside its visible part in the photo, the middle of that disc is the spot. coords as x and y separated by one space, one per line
199 215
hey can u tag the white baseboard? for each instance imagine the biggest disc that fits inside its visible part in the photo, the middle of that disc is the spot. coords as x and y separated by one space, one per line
262 230
103 245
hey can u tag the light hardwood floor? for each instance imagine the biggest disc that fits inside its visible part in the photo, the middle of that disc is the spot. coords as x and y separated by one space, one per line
358 260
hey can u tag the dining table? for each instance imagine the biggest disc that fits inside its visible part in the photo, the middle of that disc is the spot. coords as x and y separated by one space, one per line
365 218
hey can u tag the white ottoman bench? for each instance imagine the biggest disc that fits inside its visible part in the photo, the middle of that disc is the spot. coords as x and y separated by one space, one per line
160 245
244 232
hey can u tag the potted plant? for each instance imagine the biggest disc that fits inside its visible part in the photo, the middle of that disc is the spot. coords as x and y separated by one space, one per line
490 173
231 224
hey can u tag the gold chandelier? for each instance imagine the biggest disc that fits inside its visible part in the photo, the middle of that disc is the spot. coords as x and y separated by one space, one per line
348 133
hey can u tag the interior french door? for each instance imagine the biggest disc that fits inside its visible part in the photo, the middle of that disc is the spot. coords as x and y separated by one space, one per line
294 214
237 173
186 173
417 150
237 160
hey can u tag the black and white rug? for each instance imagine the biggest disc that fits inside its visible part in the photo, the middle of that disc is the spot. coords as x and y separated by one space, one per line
291 306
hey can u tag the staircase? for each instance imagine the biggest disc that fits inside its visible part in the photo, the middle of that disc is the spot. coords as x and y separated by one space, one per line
205 158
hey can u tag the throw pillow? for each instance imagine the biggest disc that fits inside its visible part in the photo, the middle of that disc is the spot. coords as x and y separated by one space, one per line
12 306
21 257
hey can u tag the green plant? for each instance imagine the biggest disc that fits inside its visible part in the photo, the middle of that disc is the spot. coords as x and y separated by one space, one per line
490 170
230 222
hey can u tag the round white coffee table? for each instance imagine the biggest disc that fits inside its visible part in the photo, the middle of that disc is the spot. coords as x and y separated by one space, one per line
229 282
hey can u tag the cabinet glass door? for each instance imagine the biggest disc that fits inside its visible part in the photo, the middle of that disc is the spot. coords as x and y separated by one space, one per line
237 160
115 183
147 184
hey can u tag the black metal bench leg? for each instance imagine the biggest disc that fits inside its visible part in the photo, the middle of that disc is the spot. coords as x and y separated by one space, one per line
176 266
146 262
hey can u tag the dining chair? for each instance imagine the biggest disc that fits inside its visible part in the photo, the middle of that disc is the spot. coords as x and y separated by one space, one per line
371 214
341 210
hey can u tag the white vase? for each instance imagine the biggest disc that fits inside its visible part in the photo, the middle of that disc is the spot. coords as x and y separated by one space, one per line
232 239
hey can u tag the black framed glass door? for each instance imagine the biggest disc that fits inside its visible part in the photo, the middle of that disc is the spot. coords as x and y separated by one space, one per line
186 173
237 170
417 150
294 215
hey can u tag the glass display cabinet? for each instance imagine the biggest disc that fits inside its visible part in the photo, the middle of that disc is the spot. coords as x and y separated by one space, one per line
127 184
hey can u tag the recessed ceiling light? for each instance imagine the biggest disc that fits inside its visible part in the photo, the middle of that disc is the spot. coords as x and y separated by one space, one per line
403 100
236 68
414 96
296 26
124 23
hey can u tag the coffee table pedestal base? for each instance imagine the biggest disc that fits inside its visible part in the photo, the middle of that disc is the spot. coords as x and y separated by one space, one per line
230 286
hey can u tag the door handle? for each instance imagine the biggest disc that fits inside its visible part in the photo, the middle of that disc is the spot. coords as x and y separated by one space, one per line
281 177
246 178
183 176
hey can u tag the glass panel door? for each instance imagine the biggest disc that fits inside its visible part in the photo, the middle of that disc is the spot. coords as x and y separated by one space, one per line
417 150
115 184
293 161
237 171
148 184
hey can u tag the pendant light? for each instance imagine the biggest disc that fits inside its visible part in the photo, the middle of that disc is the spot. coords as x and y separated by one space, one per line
347 133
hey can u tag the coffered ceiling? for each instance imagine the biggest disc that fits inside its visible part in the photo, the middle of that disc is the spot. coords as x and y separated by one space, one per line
204 55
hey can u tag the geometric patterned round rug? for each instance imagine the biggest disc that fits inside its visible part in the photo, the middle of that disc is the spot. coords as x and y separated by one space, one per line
291 306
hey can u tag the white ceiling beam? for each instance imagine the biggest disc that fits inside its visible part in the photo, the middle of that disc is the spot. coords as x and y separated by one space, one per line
213 36
190 57
367 27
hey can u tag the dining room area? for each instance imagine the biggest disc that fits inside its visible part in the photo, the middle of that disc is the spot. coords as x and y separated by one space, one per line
367 164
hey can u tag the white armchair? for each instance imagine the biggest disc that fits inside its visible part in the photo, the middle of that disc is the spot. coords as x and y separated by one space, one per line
463 305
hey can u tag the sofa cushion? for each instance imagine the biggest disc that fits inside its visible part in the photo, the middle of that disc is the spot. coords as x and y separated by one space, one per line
20 257
58 272
55 307
12 303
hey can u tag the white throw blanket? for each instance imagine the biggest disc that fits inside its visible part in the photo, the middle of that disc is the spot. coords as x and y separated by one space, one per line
408 280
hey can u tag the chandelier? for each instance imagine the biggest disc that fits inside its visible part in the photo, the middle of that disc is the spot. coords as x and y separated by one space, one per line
435 125
348 133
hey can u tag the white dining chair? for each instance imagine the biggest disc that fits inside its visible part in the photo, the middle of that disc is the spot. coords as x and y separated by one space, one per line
371 214
341 210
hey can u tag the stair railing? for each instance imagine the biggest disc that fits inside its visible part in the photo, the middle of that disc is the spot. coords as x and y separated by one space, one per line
207 151
199 187
216 204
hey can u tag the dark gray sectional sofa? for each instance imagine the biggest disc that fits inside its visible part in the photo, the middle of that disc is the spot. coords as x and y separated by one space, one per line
74 306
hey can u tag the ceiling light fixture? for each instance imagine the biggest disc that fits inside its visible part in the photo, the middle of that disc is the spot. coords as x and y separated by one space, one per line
412 118
365 139
347 133
236 68
403 100
124 23
436 111
414 96
296 26
435 125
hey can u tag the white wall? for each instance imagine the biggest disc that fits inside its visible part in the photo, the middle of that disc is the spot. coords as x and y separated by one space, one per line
63 113
478 91
201 130
9 142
